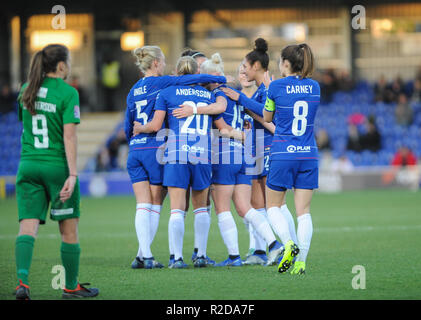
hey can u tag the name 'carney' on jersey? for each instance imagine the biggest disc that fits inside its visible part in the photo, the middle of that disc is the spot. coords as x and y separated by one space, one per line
56 104
295 102
190 138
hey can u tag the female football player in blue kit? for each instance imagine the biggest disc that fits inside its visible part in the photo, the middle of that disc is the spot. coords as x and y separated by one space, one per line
144 169
229 178
187 162
292 104
202 220
256 69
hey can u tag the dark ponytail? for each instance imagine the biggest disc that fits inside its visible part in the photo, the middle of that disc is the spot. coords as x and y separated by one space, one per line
259 53
301 59
43 62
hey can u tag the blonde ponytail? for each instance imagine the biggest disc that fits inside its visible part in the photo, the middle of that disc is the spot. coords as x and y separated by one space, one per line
186 65
213 65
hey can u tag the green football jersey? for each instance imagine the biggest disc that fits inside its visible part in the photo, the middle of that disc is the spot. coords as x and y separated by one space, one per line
57 104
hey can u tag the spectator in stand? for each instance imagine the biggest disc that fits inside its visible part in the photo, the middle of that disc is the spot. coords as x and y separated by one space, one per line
74 82
342 165
102 163
345 81
110 80
403 111
114 146
416 93
7 100
354 138
355 120
381 90
404 169
396 88
404 157
371 140
322 140
328 85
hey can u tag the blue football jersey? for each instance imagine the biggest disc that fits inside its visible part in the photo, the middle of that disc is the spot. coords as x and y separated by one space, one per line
295 102
256 104
230 151
189 139
141 101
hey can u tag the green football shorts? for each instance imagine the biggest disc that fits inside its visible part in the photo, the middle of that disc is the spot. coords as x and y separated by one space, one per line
37 185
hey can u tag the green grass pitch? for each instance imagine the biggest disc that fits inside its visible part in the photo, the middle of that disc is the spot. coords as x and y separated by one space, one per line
379 230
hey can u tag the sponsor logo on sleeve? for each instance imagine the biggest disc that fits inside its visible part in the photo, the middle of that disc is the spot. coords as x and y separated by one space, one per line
76 112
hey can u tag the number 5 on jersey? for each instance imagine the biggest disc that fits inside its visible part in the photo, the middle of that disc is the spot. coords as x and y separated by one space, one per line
140 114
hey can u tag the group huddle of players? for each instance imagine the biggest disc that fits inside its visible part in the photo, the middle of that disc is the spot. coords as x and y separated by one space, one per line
193 135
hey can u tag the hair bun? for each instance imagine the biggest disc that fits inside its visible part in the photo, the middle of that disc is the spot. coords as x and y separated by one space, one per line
216 58
261 45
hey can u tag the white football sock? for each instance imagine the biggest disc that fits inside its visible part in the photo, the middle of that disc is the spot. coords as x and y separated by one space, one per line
154 220
142 224
304 234
201 230
229 233
250 231
279 224
260 225
176 232
291 224
260 243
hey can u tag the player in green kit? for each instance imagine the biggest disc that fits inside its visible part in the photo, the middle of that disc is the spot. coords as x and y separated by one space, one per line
47 174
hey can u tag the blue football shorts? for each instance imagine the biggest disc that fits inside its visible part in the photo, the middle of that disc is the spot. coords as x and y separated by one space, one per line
288 174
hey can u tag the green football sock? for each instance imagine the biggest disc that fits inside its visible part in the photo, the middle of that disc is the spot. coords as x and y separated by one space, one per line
70 254
23 252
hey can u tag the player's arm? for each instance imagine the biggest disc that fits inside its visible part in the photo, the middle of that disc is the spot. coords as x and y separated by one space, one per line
152 126
248 103
267 125
70 146
217 107
227 131
71 117
192 79
269 110
128 119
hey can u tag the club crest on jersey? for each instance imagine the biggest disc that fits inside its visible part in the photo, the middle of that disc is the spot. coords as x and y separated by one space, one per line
42 92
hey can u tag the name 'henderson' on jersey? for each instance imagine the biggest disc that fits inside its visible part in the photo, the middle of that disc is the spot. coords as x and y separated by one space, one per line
295 102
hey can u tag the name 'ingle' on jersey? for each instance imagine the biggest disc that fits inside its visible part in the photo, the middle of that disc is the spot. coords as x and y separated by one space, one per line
295 102
192 140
